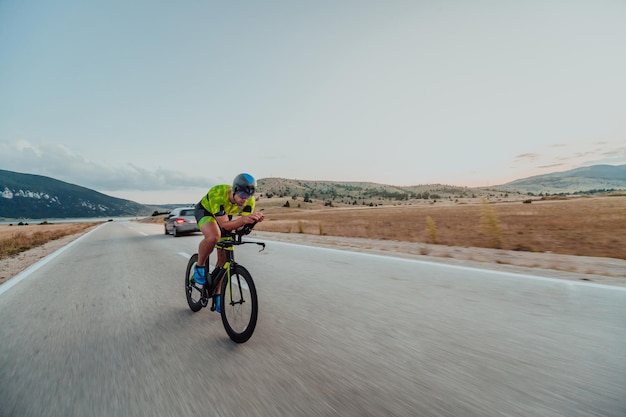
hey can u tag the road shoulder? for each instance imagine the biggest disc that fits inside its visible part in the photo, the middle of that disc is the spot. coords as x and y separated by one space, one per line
608 271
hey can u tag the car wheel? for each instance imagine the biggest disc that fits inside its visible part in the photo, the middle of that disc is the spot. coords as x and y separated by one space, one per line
175 232
166 230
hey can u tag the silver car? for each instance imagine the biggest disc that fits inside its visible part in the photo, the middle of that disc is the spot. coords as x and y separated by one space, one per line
181 221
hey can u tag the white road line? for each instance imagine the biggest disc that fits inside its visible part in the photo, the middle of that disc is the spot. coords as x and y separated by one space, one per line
187 256
25 273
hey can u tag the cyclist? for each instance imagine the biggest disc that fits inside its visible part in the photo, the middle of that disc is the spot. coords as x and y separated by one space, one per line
214 213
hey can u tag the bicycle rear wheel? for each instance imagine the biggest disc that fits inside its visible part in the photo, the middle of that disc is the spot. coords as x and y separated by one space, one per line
239 305
193 293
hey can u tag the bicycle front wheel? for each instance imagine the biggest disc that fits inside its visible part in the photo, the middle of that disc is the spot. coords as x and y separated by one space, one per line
239 304
193 292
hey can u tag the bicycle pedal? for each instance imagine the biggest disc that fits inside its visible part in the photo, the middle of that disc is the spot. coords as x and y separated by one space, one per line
204 301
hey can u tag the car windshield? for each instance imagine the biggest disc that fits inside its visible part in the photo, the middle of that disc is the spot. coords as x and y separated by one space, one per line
186 212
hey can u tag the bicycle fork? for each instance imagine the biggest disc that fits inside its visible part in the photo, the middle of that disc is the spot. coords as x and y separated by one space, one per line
228 298
215 285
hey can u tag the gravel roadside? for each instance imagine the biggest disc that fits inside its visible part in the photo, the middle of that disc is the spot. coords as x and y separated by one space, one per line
607 271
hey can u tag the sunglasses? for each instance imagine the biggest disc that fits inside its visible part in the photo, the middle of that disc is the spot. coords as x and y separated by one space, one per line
242 194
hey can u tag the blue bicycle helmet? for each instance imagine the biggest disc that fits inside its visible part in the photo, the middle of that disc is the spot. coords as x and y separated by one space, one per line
244 182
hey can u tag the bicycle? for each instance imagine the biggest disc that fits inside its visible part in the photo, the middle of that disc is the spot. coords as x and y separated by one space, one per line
239 303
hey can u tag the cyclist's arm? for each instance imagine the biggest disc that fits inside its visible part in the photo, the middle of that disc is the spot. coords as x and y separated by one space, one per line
236 223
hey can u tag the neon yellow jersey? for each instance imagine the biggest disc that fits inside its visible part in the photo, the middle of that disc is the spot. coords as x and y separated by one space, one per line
217 203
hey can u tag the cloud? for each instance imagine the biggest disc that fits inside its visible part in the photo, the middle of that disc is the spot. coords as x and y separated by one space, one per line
601 153
616 153
550 166
527 156
60 162
574 155
563 157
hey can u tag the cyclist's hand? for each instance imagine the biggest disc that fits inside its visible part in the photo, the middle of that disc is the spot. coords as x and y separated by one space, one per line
253 218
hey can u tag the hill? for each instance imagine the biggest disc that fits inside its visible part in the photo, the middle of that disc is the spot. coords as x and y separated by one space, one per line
597 178
576 181
358 193
38 197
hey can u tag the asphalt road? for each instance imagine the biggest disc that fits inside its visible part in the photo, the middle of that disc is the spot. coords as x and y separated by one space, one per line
103 329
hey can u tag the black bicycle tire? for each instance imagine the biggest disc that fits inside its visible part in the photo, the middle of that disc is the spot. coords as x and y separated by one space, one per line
239 337
193 304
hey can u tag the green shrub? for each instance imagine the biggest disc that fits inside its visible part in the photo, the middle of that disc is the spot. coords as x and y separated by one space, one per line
432 229
490 226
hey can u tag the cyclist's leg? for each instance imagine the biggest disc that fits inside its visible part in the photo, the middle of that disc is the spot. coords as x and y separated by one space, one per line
221 260
211 232
219 264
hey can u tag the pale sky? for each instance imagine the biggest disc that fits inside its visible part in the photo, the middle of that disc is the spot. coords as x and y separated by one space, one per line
156 101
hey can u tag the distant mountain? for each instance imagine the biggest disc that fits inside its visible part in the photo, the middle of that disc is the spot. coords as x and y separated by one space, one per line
26 196
579 180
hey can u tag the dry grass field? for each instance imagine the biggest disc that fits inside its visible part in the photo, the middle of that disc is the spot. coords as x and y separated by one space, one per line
589 226
16 239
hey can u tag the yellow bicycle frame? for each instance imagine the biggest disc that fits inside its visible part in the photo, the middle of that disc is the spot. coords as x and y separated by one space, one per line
226 266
